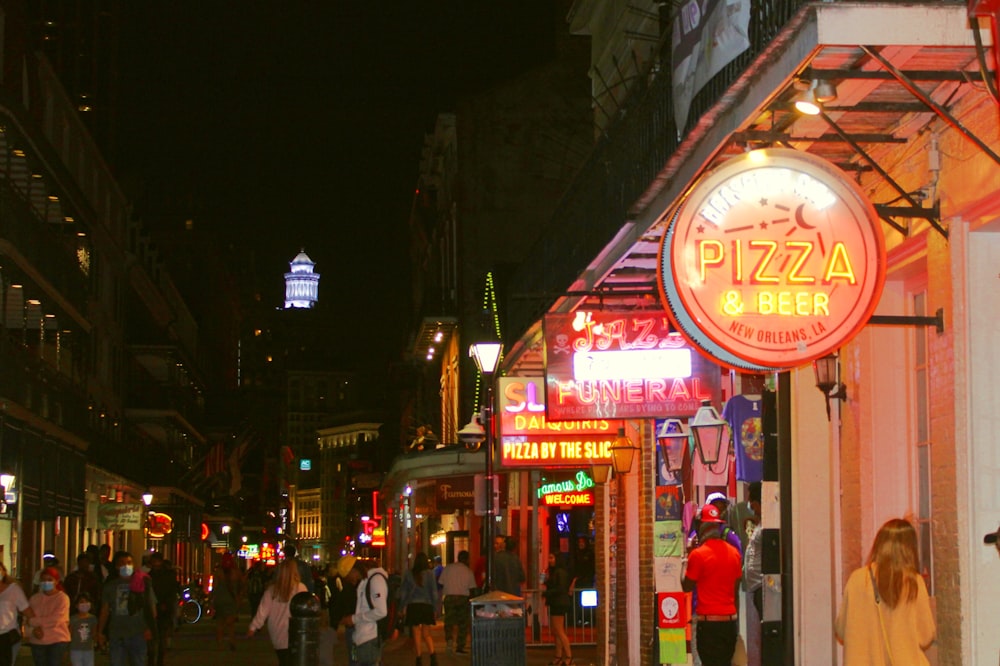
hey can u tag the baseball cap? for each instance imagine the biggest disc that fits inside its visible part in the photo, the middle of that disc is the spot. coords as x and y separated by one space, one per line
991 538
710 514
715 497
345 564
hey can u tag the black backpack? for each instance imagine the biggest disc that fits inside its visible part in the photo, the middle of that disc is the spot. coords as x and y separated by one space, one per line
387 623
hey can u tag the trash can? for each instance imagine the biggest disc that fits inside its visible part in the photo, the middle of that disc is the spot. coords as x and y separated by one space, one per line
498 630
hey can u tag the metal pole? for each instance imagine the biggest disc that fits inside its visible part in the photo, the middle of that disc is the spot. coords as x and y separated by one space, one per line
488 409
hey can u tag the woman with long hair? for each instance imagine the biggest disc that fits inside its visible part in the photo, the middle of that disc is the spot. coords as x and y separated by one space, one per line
50 625
418 597
12 603
273 609
885 618
559 601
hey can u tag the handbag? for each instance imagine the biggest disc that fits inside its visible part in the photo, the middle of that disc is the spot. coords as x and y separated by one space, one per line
881 622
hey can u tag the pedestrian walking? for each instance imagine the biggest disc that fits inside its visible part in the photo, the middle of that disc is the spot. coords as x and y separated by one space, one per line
418 597
345 599
82 580
508 572
82 631
128 614
167 590
257 579
274 609
12 602
372 584
50 624
713 570
559 601
885 617
228 590
458 582
305 571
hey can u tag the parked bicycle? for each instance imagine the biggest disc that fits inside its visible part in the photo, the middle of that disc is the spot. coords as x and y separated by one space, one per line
193 605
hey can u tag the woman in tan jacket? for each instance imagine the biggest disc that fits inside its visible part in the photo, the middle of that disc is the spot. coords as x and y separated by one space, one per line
885 618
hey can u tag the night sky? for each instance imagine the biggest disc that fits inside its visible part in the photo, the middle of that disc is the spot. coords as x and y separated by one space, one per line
299 124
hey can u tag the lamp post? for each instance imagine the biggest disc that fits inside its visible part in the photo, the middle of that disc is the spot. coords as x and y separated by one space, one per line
487 358
622 453
147 499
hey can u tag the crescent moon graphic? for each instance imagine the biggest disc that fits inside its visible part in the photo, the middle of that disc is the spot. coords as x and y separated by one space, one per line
799 220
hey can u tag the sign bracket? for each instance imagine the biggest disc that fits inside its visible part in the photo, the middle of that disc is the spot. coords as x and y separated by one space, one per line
937 321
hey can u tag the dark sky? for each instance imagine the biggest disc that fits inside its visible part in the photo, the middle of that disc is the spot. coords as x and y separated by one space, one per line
291 124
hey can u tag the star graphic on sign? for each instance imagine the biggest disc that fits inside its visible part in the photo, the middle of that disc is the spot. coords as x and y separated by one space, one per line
763 201
701 228
763 224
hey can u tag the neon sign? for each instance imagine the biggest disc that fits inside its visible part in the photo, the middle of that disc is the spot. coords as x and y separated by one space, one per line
576 492
524 452
614 365
158 525
774 259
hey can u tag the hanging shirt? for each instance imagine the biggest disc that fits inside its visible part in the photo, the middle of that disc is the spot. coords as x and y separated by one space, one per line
743 416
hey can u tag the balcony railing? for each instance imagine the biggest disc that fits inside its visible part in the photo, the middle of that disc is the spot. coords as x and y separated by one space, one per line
40 246
621 168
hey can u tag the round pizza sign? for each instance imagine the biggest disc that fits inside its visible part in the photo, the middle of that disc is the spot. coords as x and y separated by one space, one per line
772 260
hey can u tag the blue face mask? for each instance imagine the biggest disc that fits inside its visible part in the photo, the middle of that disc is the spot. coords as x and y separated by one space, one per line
125 571
47 585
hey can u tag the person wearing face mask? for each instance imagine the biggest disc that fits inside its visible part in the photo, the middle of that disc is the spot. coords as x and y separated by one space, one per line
49 628
128 614
12 603
82 632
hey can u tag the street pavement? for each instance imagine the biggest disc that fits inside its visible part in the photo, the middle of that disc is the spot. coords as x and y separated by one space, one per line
195 645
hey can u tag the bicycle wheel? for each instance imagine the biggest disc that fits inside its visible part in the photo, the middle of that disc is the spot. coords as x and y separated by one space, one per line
190 611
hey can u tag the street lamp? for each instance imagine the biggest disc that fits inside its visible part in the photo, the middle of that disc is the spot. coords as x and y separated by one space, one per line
226 529
672 439
487 358
827 371
147 499
708 429
622 452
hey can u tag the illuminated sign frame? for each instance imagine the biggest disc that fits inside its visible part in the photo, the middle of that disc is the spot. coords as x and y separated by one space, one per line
772 260
158 525
665 378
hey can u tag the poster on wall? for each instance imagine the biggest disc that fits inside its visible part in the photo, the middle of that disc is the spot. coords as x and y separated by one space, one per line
618 365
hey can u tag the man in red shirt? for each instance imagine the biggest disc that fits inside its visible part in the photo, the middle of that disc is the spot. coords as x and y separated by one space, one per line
714 569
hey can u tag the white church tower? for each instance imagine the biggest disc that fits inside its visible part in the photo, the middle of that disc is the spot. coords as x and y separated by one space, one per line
301 284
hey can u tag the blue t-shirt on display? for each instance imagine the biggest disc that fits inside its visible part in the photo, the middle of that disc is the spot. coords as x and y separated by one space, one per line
743 416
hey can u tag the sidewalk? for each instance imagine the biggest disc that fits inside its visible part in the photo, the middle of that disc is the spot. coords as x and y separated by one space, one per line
399 652
194 645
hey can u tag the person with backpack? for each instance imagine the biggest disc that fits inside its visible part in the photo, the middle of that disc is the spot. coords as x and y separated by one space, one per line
372 583
729 535
418 597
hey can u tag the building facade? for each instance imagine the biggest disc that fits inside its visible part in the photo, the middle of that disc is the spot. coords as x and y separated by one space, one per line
906 113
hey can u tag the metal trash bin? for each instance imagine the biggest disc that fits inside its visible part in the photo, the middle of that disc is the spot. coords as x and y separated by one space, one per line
498 630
